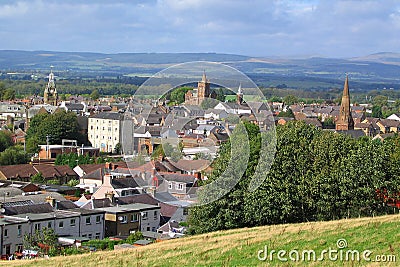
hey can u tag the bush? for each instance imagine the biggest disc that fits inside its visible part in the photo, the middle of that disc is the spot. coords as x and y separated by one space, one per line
132 238
73 251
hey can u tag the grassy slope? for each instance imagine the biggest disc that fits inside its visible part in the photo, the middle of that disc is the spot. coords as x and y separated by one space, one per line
239 247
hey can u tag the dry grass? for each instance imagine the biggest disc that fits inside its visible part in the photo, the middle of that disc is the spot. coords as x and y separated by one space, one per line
239 247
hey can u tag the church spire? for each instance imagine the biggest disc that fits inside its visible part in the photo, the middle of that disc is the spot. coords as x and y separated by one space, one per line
204 78
345 121
239 95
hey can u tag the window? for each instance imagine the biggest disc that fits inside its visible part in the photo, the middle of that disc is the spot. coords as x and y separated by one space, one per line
90 236
85 235
98 219
135 217
5 232
123 218
72 222
88 220
153 229
144 215
179 186
61 224
185 211
37 226
97 236
170 185
148 228
19 230
155 215
19 248
49 225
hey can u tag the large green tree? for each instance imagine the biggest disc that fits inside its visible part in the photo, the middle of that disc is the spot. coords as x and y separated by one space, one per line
316 175
59 125
5 140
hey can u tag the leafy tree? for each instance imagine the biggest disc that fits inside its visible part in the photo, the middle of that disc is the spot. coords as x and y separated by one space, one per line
95 94
377 111
220 95
288 113
72 159
5 140
38 178
380 100
59 125
132 238
45 239
13 155
178 95
32 145
290 100
316 175
118 148
9 94
328 123
209 103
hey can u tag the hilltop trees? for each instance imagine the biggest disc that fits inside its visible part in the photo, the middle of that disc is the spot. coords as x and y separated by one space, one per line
316 175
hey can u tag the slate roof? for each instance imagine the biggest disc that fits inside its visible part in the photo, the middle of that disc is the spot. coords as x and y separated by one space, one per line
177 177
32 208
108 116
120 183
190 165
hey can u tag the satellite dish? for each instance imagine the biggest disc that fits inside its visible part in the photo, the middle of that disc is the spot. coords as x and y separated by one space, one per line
120 218
2 210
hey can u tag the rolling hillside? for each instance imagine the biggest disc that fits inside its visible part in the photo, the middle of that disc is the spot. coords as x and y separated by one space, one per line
239 247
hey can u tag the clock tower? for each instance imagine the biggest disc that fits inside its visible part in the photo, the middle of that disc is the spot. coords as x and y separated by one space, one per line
50 92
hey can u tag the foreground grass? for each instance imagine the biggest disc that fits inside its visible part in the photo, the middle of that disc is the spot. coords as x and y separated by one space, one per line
239 247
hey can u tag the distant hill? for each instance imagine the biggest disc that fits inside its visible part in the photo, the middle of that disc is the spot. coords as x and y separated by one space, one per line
370 72
239 247
383 57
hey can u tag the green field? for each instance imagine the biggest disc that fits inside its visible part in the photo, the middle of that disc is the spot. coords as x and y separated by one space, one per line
239 247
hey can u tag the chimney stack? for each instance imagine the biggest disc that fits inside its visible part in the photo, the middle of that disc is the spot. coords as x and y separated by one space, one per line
110 196
51 200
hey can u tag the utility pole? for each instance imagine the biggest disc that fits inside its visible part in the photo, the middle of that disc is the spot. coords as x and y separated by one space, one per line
47 146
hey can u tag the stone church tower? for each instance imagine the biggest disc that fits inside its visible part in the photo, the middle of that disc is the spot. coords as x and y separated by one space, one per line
199 94
345 121
203 88
50 92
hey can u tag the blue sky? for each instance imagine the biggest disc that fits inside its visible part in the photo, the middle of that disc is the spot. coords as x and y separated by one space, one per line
250 27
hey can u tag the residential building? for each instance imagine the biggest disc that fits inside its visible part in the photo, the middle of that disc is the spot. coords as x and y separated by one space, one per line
104 130
123 220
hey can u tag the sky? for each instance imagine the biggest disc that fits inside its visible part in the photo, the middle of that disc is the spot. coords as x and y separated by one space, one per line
269 28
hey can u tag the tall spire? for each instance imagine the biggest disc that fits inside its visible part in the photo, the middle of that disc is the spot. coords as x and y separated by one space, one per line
239 95
346 86
204 78
345 121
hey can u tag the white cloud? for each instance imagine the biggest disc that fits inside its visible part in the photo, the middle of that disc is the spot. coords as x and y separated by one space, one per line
254 27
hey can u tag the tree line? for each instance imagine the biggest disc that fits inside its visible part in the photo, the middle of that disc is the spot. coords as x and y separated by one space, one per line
316 175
